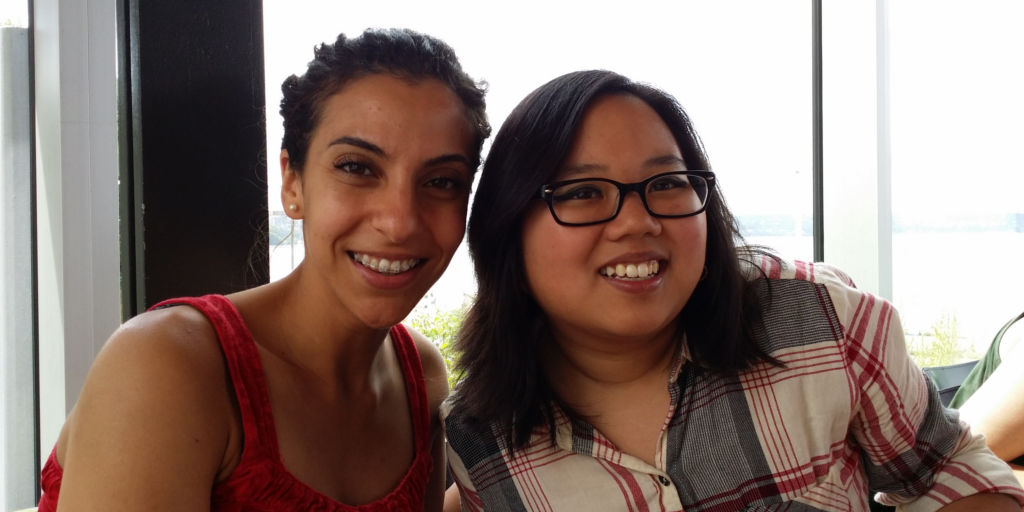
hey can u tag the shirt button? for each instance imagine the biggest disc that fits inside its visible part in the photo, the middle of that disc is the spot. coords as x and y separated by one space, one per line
664 480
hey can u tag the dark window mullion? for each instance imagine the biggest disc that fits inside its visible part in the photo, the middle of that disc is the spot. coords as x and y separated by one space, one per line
817 151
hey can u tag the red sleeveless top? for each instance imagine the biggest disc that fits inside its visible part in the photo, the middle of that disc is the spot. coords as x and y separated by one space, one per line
261 482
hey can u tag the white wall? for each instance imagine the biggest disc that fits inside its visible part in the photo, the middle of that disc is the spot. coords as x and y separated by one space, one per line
17 428
77 196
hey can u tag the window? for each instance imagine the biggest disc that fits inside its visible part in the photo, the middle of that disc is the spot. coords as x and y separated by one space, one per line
922 178
741 70
957 173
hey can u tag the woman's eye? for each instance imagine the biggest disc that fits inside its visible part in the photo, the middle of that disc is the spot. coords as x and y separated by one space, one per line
670 182
578 193
355 168
444 183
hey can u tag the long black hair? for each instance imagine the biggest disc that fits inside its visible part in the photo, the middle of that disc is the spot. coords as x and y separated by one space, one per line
501 337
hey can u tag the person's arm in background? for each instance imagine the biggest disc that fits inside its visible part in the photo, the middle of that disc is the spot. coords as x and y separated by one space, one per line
996 409
452 503
990 502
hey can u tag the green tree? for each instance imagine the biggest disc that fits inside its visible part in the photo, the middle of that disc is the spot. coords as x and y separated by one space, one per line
942 345
442 327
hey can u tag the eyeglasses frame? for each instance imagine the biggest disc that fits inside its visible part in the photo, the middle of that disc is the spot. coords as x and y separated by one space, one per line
547 194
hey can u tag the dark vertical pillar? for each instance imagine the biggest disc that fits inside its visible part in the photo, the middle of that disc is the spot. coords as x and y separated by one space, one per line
194 183
817 129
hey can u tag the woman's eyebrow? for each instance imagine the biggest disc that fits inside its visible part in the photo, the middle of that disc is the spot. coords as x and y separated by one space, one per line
377 150
359 143
664 160
575 170
454 157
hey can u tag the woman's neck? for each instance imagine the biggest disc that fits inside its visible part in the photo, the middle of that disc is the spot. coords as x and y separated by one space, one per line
310 335
584 372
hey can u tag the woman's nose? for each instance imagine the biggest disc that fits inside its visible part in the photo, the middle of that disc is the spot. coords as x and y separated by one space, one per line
397 215
633 219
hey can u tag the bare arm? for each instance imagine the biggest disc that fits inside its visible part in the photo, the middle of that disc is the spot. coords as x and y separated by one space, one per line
148 433
452 501
996 409
987 501
436 377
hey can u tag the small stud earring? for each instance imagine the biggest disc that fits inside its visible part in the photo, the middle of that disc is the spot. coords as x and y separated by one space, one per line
292 207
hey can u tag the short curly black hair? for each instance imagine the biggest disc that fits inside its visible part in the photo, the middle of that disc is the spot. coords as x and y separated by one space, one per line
400 52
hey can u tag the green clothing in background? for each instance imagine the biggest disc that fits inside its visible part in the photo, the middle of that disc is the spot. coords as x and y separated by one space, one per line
981 373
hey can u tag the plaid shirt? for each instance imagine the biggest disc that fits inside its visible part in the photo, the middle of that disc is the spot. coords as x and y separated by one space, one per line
849 411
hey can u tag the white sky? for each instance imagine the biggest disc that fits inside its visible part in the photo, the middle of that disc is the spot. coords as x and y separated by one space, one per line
722 61
958 105
741 68
15 11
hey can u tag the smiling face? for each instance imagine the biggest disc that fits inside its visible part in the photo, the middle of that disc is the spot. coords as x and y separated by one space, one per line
626 279
383 194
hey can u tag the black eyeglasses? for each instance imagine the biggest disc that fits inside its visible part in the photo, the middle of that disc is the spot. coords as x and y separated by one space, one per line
587 201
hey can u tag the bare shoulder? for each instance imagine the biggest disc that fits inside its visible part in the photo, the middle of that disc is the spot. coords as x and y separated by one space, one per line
176 344
435 371
155 361
174 327
157 391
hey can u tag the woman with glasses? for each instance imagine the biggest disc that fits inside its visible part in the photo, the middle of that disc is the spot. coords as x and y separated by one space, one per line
305 394
623 353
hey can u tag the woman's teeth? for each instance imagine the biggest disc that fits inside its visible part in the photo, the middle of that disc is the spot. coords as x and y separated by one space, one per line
383 265
631 270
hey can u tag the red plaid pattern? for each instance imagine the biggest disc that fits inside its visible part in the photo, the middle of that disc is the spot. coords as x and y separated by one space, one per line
848 412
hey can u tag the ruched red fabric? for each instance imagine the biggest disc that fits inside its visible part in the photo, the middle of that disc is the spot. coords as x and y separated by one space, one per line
261 483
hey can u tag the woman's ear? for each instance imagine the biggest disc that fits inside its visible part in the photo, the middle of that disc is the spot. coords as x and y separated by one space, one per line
291 188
